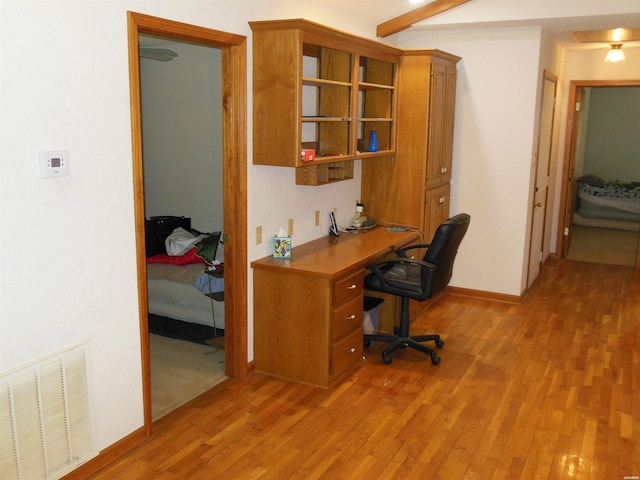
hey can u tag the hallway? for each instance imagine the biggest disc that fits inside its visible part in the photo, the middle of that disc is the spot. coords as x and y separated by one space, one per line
545 389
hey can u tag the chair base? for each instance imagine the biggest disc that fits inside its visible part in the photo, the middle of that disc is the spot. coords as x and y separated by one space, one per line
397 342
402 339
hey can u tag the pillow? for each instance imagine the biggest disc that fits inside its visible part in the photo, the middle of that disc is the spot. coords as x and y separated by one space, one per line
189 257
595 180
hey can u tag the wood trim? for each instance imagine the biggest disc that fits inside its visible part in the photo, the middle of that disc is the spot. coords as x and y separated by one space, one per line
184 31
108 455
405 20
139 216
567 175
235 184
434 53
566 167
315 33
496 297
234 61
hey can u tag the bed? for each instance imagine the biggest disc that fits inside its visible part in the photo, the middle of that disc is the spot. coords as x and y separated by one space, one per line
601 202
183 265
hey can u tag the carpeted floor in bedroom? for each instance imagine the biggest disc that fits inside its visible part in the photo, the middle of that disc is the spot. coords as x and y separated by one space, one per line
603 245
180 371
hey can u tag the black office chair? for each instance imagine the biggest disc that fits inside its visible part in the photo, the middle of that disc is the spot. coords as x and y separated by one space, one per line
410 278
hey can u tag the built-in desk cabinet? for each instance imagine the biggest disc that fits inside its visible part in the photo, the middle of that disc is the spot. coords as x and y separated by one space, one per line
308 310
413 188
319 88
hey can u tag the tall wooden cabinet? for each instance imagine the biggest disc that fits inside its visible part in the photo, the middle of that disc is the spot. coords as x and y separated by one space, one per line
413 187
322 89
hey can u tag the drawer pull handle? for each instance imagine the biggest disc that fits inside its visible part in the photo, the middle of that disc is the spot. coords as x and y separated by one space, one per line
352 350
353 286
351 317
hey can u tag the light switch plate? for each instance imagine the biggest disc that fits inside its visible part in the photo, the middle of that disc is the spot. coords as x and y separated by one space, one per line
54 163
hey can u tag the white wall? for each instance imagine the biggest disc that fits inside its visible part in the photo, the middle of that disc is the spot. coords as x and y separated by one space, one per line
182 135
612 146
68 245
492 152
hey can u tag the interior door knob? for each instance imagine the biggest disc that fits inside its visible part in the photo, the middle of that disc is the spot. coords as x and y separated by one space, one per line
539 204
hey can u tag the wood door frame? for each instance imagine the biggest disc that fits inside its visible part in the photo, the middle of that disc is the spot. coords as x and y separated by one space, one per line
564 218
234 109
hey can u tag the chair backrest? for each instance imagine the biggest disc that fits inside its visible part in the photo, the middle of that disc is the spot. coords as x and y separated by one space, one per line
444 247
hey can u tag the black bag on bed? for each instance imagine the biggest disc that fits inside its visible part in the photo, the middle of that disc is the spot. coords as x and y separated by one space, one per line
157 229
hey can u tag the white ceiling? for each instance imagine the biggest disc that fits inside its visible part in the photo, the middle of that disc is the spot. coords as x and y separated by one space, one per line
556 17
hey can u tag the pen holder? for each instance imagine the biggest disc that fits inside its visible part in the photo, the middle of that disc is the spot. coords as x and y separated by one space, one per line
281 247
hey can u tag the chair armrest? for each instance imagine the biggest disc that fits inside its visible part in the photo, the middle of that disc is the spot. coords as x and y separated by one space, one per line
402 252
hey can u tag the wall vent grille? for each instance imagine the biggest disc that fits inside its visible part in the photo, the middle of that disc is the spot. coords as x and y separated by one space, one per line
45 422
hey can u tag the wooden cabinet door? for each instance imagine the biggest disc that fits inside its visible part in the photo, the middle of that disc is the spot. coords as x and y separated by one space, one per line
437 209
448 120
442 97
437 110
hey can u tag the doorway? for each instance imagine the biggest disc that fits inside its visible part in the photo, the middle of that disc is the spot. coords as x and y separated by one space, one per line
234 185
540 242
574 139
181 98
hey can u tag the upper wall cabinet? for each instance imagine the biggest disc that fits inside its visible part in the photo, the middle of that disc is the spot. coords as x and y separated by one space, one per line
415 190
315 88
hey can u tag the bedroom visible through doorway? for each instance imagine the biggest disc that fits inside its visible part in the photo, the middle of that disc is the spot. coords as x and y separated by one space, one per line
601 198
181 102
234 160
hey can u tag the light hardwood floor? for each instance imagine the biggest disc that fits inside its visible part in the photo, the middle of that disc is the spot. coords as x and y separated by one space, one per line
546 389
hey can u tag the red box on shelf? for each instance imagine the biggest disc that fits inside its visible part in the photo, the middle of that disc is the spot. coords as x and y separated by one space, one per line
308 154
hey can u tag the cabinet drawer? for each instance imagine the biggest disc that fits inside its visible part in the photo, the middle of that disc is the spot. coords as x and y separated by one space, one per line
347 351
346 317
348 287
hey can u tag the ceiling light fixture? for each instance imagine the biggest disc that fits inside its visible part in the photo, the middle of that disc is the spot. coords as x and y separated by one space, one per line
615 54
159 54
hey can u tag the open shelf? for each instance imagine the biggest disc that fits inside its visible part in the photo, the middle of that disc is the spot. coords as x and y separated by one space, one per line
324 90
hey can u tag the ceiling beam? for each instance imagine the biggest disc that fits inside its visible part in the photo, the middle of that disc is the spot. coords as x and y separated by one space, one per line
404 21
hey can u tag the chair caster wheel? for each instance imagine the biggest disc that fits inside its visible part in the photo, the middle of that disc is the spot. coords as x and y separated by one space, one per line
435 359
439 343
367 343
386 359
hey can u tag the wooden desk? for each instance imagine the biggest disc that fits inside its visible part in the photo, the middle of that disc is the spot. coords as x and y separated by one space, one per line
308 309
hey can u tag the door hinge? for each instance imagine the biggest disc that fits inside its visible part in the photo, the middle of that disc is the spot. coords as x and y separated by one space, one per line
577 106
566 231
540 257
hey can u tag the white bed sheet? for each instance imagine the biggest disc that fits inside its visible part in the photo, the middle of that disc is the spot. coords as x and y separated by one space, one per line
171 294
